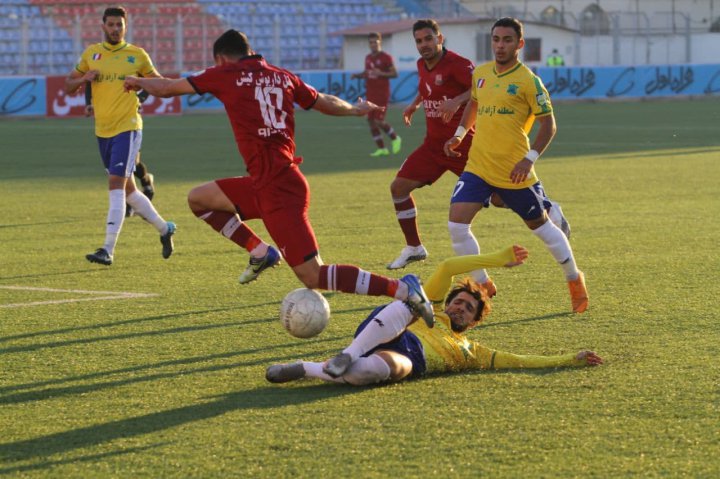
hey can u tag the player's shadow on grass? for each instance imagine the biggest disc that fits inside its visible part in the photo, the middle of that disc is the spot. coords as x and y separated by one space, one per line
43 275
130 375
47 464
260 398
126 322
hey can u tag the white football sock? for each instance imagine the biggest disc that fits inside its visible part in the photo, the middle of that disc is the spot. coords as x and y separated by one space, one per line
555 214
115 218
143 207
387 325
464 243
370 370
314 370
559 248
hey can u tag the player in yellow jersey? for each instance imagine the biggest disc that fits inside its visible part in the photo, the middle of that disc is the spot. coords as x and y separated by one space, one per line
118 127
506 98
390 345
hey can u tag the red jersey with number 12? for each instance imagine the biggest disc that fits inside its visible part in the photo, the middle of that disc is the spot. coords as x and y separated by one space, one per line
450 77
259 100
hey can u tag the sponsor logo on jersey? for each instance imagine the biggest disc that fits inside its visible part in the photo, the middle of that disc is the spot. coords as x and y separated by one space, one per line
97 56
439 79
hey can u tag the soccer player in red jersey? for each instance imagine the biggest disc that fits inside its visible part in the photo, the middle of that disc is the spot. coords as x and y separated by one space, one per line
379 69
444 79
259 100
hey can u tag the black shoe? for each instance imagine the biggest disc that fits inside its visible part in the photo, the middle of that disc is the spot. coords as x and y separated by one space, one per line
166 240
129 211
338 365
100 256
283 373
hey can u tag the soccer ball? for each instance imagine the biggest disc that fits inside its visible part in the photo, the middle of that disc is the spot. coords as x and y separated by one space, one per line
304 313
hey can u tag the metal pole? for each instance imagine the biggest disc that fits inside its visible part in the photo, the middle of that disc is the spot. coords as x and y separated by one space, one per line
179 44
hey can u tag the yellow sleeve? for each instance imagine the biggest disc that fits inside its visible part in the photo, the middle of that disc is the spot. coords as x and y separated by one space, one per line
146 65
82 64
437 286
503 360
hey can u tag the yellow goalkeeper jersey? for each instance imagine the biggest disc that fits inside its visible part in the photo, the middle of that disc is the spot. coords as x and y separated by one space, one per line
115 110
446 350
507 104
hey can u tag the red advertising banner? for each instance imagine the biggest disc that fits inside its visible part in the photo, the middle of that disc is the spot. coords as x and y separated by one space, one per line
60 104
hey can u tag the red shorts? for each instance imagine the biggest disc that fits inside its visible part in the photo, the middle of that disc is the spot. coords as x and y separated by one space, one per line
428 162
283 206
379 101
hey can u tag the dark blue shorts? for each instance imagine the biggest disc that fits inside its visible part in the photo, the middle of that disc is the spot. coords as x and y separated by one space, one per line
406 344
119 152
529 203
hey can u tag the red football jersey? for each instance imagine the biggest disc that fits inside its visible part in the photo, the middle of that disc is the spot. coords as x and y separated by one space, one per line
377 87
450 77
259 100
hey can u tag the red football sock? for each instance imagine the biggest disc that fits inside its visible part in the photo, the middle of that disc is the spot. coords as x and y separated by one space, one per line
351 279
407 217
230 226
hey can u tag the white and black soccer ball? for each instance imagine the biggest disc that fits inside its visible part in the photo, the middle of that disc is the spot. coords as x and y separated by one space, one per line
304 313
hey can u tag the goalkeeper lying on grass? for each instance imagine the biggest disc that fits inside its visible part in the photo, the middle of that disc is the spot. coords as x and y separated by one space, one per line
391 345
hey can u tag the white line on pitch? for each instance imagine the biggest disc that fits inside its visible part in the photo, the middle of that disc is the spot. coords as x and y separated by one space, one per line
109 295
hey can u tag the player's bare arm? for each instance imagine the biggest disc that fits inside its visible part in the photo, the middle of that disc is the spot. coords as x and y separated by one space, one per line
159 87
334 106
546 132
410 110
448 108
76 79
466 122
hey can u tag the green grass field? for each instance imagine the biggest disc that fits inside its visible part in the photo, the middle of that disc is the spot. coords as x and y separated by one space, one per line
172 385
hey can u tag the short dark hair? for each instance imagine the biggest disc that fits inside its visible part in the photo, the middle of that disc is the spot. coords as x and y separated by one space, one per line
427 23
114 12
373 35
469 286
232 43
511 22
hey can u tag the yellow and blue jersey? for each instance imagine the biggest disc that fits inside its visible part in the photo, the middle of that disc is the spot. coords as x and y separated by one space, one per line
507 104
115 110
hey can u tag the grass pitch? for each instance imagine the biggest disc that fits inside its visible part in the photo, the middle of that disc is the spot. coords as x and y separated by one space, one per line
167 380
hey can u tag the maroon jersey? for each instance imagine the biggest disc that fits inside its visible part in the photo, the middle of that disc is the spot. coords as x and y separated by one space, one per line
259 100
378 88
451 77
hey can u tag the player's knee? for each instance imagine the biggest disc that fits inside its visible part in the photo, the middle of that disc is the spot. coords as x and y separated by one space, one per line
370 370
458 231
400 366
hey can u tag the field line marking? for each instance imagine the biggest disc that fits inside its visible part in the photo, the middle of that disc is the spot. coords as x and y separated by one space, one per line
97 295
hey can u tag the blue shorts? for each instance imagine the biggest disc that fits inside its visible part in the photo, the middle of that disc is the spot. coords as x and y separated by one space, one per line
529 203
406 344
119 152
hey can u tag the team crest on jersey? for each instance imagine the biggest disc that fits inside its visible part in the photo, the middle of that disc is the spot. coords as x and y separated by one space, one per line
480 82
512 89
97 56
131 59
438 79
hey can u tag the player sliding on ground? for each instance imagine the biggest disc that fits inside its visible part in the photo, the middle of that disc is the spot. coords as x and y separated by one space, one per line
259 99
390 345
